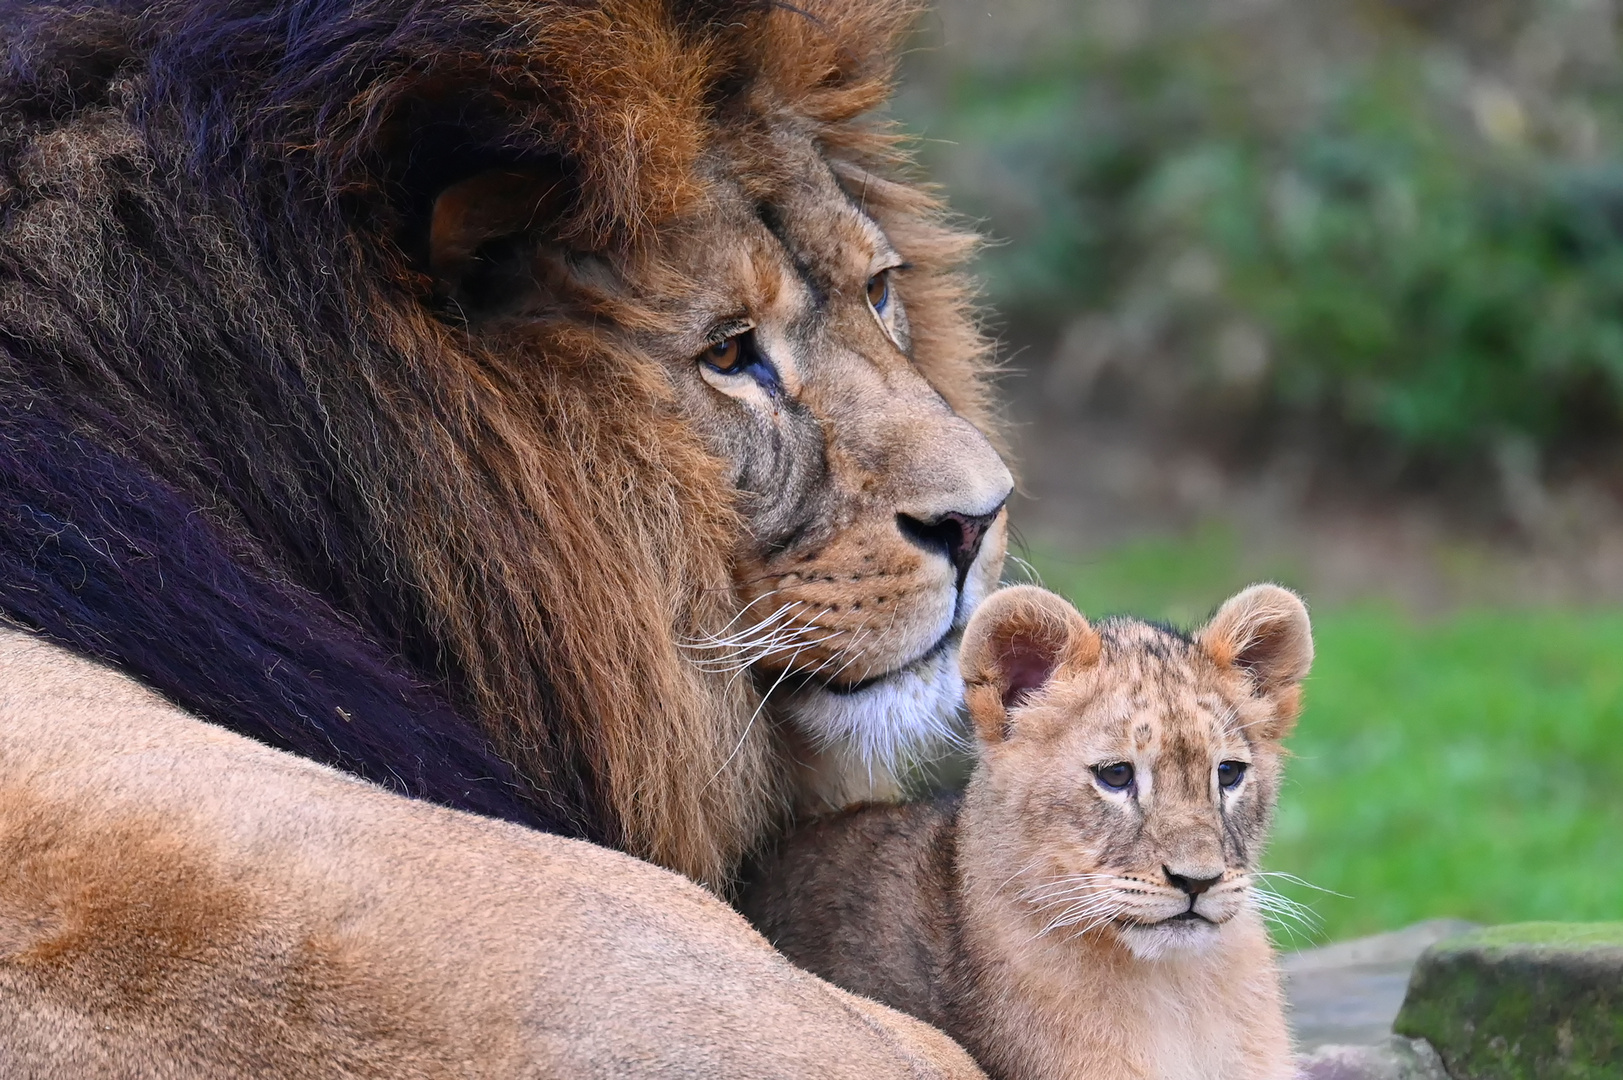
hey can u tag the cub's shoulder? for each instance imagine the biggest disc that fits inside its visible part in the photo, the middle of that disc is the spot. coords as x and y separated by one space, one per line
865 899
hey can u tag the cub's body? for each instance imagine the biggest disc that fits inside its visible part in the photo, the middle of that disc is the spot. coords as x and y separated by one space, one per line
898 938
1088 909
1011 1000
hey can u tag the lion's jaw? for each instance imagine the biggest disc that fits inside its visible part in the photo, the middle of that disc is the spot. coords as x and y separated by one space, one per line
864 735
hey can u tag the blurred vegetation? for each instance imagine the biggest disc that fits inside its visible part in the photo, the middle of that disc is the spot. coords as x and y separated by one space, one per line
1397 219
1412 226
1464 767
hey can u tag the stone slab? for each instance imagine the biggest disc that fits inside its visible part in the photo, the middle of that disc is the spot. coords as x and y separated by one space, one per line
1395 1059
1349 992
1528 1001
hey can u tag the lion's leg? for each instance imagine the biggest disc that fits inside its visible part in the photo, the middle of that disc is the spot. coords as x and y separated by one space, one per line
176 901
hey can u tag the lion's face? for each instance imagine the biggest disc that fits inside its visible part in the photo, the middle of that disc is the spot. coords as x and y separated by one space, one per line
874 510
1130 772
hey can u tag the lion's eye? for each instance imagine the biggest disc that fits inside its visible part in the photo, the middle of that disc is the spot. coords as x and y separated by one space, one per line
741 354
725 355
1230 773
1115 776
879 291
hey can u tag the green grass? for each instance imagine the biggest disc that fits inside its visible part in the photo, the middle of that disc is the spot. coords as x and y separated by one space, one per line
1468 766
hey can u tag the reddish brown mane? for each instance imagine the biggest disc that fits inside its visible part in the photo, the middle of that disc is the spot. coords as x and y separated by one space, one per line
212 280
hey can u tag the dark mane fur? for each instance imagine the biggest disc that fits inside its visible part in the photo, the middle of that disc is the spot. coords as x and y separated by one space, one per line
247 457
105 558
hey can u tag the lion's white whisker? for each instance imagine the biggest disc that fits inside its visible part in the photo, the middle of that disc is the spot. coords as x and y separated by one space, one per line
716 641
750 724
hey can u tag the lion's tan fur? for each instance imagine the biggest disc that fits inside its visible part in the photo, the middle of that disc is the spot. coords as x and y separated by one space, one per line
179 902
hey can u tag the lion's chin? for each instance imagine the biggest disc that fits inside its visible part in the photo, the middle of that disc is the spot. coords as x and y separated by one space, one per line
888 722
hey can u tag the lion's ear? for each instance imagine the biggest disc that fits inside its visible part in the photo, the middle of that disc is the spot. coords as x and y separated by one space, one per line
1264 631
492 205
1016 643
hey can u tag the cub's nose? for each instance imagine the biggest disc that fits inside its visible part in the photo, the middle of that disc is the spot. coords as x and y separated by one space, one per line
1190 884
956 535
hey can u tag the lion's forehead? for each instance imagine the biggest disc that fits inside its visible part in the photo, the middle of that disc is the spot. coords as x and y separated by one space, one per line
799 219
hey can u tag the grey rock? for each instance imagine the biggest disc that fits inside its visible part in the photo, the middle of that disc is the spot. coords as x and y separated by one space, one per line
1348 993
1528 1001
1395 1059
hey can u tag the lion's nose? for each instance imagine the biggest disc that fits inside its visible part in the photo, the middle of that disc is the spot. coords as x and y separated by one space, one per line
957 535
1194 886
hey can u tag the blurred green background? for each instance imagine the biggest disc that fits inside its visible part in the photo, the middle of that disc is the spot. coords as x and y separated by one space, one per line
1332 294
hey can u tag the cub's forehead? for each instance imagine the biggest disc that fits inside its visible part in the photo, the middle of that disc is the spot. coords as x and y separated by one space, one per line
1154 689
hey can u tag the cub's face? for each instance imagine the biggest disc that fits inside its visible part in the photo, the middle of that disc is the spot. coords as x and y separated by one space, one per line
1130 772
790 308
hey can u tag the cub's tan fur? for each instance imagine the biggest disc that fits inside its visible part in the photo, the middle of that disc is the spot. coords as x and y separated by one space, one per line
1058 923
177 902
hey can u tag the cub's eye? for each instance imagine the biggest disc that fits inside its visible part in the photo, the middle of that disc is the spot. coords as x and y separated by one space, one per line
726 355
879 291
1230 773
1114 776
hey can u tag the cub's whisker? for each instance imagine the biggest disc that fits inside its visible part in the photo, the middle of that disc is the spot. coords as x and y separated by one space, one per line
1286 914
1294 880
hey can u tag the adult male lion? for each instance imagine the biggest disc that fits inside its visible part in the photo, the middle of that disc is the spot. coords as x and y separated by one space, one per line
495 400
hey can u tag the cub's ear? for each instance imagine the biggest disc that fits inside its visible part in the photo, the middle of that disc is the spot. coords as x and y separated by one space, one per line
1019 639
1264 631
487 206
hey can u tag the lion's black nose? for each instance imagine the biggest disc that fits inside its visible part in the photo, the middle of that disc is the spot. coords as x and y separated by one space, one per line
1194 886
956 535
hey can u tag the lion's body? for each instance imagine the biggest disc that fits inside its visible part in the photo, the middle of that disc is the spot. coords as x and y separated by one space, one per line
178 902
267 465
301 431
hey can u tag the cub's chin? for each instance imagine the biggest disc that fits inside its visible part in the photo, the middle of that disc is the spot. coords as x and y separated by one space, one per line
1170 937
863 738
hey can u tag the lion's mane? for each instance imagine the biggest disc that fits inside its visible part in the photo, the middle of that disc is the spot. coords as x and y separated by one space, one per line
248 456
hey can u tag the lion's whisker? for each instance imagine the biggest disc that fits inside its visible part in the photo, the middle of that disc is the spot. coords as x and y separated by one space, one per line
1032 577
720 639
796 641
721 632
761 705
779 639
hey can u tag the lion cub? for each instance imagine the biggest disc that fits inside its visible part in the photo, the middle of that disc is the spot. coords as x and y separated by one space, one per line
1084 909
